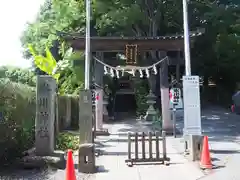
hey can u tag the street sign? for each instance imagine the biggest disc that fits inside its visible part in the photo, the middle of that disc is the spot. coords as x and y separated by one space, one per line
175 95
176 103
192 111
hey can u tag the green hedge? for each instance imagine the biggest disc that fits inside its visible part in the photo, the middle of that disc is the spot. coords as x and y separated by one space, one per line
75 112
67 141
62 106
17 120
18 75
141 91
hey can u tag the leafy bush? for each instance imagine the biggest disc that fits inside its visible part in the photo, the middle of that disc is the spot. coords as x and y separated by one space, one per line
141 92
62 108
17 119
67 141
14 74
75 112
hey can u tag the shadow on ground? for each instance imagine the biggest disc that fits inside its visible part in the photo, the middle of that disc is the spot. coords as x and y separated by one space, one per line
224 151
219 124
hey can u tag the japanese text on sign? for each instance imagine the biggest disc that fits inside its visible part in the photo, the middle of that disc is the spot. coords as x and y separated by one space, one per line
175 95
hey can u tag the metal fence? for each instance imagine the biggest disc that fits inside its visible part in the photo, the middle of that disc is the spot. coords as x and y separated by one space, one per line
144 141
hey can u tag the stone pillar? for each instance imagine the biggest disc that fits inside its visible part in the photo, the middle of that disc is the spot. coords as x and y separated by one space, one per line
178 67
85 117
99 70
105 103
68 112
45 115
56 124
167 124
86 158
152 83
99 109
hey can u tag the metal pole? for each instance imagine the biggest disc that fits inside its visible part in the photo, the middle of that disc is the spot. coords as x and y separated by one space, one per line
174 121
87 45
186 39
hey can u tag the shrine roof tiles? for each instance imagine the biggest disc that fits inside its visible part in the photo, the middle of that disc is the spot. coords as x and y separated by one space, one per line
69 36
111 43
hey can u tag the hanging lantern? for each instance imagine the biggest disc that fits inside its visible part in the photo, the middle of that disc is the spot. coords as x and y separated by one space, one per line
117 73
122 72
155 70
112 72
105 70
133 72
141 73
147 73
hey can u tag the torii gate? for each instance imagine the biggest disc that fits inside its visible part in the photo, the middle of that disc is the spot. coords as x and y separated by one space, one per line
162 45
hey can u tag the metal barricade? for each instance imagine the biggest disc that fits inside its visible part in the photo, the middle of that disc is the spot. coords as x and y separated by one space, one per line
149 138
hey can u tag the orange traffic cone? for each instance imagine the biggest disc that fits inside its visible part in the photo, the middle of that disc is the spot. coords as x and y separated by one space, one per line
205 156
70 170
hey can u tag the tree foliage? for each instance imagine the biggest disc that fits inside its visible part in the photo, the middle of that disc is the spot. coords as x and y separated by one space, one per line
54 16
18 75
215 54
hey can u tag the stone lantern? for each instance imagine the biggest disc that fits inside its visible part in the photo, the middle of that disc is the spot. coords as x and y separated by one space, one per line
105 103
151 112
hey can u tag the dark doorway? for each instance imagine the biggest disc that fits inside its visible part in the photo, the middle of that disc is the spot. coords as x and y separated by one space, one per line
125 105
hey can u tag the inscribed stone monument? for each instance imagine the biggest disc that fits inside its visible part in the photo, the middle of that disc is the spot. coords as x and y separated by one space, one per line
45 115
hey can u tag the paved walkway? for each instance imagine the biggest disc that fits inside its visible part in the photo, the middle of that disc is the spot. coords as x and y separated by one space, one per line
112 162
222 127
223 130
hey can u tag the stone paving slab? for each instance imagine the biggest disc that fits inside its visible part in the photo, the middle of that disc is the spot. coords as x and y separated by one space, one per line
225 158
115 167
222 128
229 172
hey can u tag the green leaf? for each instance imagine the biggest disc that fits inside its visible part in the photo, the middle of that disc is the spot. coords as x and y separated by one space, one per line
56 76
46 64
31 50
51 60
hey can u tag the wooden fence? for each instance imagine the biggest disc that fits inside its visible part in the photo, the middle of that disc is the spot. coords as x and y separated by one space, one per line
145 139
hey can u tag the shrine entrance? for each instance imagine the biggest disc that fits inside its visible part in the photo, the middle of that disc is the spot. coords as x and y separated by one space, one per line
139 57
124 101
154 69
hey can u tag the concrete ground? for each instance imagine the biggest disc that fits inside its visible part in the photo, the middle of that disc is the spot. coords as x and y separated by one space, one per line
113 166
222 127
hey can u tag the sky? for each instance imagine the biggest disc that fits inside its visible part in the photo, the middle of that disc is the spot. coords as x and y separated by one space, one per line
14 14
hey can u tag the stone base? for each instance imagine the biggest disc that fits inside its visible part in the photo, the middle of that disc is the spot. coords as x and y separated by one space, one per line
102 132
105 118
32 161
57 159
193 146
111 118
170 132
150 117
86 162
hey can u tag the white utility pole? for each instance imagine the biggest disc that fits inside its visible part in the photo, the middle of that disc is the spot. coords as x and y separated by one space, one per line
87 45
186 39
192 109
